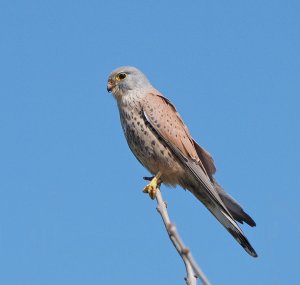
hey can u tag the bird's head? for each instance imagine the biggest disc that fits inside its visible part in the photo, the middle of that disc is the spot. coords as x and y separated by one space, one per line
124 79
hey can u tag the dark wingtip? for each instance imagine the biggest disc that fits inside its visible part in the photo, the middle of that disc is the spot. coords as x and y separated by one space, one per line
243 241
252 252
246 245
250 249
248 220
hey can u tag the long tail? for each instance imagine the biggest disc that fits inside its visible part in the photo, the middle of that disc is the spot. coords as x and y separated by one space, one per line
225 218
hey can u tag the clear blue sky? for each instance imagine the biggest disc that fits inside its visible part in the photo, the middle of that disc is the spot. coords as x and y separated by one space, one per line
71 206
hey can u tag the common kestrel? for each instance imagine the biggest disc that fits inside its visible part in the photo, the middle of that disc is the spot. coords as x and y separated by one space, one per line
161 142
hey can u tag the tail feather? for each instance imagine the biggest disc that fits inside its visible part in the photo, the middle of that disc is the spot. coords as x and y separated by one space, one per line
233 206
227 221
205 191
235 231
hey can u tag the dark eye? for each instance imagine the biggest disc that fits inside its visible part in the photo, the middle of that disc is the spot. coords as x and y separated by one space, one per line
121 76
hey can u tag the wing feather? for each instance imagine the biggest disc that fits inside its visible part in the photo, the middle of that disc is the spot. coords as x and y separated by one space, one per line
161 114
176 135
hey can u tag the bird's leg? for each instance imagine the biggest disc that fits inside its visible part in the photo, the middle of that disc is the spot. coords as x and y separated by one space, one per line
153 185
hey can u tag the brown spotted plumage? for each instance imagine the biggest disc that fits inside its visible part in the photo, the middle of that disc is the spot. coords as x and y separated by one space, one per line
161 142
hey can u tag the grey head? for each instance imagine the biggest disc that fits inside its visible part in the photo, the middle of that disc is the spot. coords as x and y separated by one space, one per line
125 79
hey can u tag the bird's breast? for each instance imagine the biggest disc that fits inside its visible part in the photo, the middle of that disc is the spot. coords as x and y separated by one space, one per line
145 144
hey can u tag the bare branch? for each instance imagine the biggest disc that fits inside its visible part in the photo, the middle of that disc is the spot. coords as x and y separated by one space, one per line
192 268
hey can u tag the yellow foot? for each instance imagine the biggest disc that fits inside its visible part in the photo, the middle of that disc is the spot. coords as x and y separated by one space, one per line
152 186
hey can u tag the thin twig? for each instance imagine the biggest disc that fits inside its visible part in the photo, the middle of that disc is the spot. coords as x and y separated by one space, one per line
192 268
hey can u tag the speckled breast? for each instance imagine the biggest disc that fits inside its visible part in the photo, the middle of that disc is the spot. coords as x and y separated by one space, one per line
143 141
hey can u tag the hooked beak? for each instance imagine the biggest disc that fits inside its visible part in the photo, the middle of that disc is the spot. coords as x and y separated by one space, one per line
110 86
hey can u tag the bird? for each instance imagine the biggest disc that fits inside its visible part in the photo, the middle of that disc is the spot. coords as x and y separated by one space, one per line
162 143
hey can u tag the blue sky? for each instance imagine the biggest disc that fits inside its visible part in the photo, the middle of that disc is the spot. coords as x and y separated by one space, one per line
71 206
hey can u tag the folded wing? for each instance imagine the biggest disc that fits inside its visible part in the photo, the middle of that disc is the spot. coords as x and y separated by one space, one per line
169 127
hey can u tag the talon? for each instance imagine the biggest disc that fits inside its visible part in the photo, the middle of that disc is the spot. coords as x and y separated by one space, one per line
152 186
150 190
